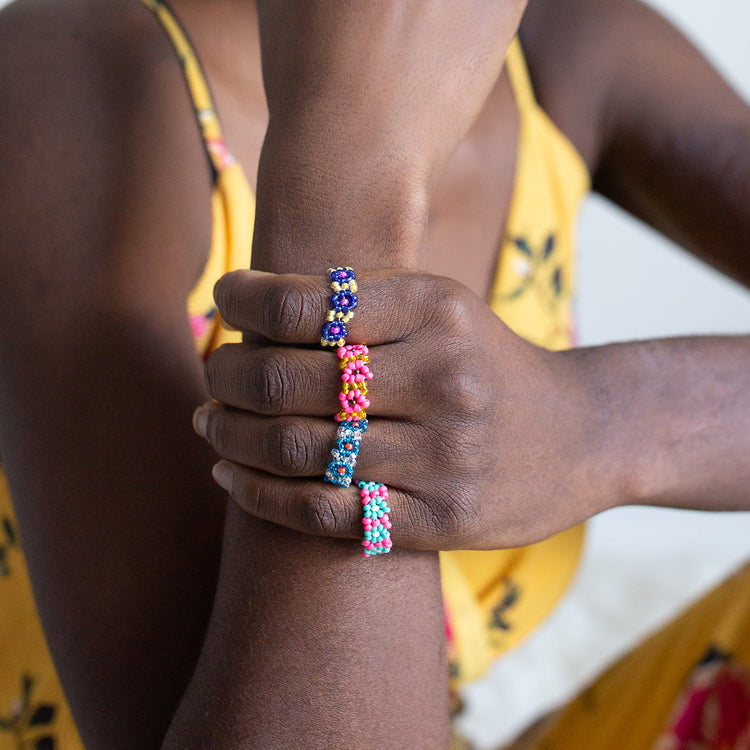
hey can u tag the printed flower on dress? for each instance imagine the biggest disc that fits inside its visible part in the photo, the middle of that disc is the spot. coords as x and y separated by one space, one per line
10 542
713 713
28 722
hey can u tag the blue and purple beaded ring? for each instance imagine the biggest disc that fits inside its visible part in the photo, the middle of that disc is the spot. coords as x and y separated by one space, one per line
343 304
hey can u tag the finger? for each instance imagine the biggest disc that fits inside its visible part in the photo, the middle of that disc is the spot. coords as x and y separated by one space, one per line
276 381
292 308
301 446
314 507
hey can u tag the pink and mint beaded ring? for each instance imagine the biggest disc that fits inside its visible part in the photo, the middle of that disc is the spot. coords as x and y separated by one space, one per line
355 374
376 521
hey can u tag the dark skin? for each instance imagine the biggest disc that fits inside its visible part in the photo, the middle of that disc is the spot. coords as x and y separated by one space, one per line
127 656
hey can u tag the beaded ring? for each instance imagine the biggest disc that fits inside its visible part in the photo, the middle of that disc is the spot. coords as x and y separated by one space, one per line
376 520
353 417
343 304
344 454
354 363
355 373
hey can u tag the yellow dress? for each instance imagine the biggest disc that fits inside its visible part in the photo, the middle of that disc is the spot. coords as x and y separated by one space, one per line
493 599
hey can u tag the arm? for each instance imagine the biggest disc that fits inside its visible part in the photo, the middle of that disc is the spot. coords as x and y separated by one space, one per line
675 415
121 522
98 373
676 144
669 141
366 105
148 592
664 135
345 176
516 443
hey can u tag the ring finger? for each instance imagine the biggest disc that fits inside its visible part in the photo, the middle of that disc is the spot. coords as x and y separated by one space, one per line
301 446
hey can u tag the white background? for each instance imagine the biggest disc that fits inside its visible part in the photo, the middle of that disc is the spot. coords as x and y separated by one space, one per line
640 565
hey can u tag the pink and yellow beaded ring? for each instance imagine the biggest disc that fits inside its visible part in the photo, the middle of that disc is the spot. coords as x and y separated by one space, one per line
355 374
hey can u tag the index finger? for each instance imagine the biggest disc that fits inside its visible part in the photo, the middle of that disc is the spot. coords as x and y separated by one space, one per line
292 308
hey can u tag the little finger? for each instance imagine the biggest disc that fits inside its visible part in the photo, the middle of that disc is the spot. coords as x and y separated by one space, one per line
320 509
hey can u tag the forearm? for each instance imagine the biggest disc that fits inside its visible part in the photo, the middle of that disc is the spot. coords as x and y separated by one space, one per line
367 102
674 417
312 646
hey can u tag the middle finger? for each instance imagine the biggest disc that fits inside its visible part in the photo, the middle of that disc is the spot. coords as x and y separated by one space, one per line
275 381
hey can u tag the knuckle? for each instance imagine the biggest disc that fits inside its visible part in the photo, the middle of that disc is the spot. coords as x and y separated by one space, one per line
462 390
322 514
213 430
254 499
266 387
223 433
213 372
285 308
455 311
287 449
455 517
251 497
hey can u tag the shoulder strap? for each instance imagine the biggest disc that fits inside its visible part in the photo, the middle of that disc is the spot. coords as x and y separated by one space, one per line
218 154
518 72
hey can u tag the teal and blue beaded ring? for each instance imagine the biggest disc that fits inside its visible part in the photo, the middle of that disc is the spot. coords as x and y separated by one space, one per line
376 520
343 304
344 454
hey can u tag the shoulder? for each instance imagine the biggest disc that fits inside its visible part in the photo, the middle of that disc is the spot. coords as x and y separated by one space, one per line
105 183
575 50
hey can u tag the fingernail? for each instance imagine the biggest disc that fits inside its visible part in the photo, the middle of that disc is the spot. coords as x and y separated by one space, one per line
200 420
222 475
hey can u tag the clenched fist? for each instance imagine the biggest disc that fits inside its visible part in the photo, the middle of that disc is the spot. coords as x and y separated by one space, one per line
483 439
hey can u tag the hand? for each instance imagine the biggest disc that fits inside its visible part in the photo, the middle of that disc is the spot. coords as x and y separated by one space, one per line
483 439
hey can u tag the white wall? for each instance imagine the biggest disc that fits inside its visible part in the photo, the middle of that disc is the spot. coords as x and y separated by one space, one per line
635 284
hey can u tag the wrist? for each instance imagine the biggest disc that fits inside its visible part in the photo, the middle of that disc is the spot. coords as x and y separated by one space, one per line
605 449
322 202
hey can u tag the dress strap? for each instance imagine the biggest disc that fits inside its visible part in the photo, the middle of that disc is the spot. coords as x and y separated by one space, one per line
218 154
518 71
